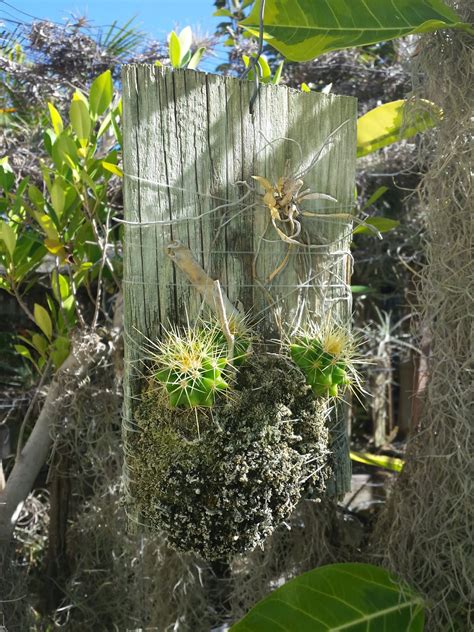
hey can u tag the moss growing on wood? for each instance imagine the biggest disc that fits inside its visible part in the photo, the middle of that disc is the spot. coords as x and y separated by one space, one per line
224 491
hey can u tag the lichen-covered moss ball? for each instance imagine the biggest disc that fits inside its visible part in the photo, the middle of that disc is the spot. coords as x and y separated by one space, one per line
219 481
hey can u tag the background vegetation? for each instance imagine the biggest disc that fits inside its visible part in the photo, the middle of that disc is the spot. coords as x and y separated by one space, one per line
73 562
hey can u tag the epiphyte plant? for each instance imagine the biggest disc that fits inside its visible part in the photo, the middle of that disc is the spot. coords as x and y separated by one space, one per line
326 356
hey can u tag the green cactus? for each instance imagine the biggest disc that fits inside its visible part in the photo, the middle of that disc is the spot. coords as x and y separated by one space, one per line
242 341
193 364
326 359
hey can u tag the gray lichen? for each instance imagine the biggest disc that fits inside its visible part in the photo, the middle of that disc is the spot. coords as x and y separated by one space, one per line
222 489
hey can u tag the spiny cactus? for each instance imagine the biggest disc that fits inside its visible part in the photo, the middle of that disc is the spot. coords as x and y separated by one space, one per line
192 366
242 340
326 357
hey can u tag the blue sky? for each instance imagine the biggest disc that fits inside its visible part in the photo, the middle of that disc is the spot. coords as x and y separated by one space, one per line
155 17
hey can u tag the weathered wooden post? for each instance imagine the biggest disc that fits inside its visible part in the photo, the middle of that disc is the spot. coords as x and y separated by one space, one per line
191 147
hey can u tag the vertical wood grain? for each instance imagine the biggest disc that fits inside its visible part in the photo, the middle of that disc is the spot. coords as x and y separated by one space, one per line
189 138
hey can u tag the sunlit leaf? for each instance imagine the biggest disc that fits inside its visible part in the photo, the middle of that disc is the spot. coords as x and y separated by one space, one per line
185 40
277 75
196 58
7 177
56 119
60 285
174 50
80 120
43 320
64 150
112 168
389 123
378 460
55 247
265 71
101 93
222 13
303 29
23 351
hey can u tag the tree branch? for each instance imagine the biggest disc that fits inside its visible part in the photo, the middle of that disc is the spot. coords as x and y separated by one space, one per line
33 456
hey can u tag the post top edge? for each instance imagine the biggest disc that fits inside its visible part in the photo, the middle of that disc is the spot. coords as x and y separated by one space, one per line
163 71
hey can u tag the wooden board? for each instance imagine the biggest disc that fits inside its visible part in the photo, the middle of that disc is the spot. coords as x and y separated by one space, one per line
189 140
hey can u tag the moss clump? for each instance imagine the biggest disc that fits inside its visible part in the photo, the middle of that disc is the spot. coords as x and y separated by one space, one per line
224 491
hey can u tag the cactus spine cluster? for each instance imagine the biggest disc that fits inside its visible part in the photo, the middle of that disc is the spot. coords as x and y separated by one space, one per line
193 364
326 359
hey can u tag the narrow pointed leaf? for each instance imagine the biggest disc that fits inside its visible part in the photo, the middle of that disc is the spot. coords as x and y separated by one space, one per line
382 224
379 460
196 58
56 119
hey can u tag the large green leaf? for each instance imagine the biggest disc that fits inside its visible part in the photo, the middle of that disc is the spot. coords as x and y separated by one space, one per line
303 29
391 122
349 597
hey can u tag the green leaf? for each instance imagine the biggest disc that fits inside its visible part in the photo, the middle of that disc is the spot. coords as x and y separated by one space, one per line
23 351
58 197
196 58
112 168
265 71
43 320
60 350
362 289
7 177
185 40
40 343
389 123
56 119
381 224
174 50
36 197
277 75
378 460
304 87
349 597
64 150
8 236
60 286
375 196
222 13
80 120
303 29
101 93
